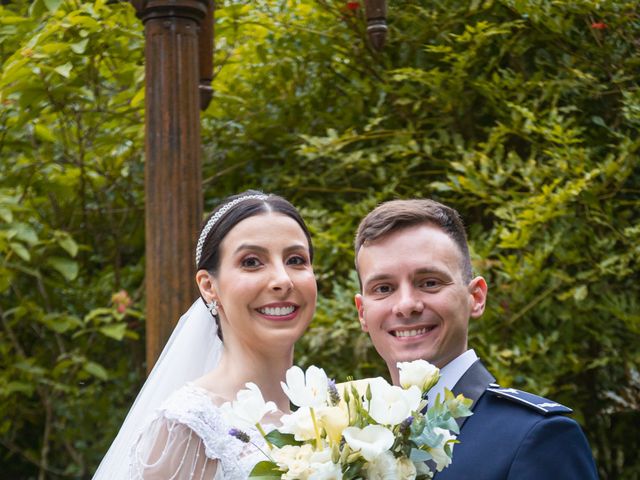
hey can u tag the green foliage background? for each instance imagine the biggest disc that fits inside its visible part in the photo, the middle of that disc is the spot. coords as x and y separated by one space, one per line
522 114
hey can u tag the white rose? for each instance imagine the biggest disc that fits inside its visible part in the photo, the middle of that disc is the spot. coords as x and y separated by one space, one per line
406 469
438 453
294 459
390 405
420 373
383 467
299 423
370 441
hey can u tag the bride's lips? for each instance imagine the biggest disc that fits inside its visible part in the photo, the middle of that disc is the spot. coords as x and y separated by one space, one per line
413 332
279 311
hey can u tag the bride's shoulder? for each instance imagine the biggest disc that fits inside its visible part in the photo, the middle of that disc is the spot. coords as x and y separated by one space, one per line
191 399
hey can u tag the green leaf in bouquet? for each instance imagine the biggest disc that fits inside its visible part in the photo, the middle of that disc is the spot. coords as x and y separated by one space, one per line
428 435
266 470
417 426
419 455
279 439
458 406
353 471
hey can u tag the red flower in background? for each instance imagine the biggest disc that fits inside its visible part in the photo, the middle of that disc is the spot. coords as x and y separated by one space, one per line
353 6
599 25
121 301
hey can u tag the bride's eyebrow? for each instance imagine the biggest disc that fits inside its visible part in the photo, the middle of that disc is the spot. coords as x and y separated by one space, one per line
296 248
259 248
248 246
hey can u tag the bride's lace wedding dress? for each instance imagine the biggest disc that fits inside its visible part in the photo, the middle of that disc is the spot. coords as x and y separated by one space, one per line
189 439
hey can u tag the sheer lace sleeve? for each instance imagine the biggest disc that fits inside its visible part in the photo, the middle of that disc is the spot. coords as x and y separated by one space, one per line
189 439
171 450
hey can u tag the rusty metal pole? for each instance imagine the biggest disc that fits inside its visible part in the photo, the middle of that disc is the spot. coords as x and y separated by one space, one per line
173 176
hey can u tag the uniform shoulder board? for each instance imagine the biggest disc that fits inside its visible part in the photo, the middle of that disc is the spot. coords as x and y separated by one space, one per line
540 404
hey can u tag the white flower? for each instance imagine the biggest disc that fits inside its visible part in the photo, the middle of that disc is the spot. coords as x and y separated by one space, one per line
422 469
248 408
390 405
383 467
438 453
322 468
370 441
420 373
308 389
299 423
294 459
325 471
406 469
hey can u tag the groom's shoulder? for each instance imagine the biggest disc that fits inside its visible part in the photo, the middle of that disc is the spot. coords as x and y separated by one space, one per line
530 401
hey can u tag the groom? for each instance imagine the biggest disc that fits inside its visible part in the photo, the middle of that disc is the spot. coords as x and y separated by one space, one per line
417 295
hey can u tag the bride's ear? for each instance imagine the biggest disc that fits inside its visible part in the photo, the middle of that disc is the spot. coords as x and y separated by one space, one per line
206 285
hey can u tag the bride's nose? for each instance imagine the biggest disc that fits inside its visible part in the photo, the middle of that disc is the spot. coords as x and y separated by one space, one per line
280 279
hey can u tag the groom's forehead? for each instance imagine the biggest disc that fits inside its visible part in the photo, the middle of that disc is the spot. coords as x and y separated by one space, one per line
407 253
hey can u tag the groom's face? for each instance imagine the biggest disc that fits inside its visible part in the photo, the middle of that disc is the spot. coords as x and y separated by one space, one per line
415 303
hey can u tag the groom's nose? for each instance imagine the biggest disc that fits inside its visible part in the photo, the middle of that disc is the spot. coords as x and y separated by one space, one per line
408 302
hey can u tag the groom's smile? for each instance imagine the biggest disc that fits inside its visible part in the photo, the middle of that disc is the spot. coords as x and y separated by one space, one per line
412 333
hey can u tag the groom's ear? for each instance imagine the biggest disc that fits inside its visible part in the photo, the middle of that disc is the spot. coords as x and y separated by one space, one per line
360 308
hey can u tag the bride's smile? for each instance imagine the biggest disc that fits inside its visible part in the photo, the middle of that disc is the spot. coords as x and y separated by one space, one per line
279 311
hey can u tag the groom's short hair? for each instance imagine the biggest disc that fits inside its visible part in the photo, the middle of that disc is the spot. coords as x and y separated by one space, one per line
395 215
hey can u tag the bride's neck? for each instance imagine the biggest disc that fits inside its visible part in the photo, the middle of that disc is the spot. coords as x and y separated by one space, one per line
265 370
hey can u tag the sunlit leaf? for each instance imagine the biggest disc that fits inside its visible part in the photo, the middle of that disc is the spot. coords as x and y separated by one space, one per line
115 331
64 70
96 370
21 251
66 267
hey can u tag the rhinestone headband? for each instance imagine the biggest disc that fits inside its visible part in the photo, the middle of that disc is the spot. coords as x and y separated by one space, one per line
217 216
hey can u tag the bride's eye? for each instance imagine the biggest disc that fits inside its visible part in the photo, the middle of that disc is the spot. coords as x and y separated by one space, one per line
296 260
251 262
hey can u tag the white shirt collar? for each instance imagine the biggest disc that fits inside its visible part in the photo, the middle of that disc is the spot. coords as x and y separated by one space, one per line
451 373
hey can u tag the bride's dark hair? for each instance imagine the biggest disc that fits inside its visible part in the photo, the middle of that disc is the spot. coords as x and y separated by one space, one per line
209 259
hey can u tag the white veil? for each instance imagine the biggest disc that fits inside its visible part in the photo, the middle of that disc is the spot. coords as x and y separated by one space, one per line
192 350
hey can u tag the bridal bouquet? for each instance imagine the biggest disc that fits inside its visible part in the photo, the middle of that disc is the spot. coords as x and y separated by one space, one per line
366 429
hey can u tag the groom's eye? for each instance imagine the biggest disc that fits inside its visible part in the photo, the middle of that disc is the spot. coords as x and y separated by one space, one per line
382 289
429 283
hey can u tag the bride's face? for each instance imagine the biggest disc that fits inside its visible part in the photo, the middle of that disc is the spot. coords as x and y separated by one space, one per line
265 284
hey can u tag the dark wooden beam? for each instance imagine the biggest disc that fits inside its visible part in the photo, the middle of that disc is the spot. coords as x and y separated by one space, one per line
205 52
173 175
376 13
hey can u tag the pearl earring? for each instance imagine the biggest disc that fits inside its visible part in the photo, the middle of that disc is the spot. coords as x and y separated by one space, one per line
213 307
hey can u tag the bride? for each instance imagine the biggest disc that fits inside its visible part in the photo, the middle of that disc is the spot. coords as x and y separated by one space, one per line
253 259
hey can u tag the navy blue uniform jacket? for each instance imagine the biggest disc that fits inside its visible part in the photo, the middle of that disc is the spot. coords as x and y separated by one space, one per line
505 439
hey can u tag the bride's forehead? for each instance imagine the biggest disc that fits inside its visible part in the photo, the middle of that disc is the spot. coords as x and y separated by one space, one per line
265 228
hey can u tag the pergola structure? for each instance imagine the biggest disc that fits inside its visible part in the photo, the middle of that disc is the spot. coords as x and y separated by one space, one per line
178 74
